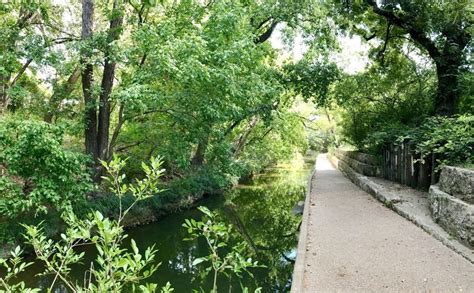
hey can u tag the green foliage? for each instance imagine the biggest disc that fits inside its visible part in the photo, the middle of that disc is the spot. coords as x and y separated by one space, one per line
115 269
190 75
39 172
381 98
221 259
439 30
451 140
312 80
14 266
140 189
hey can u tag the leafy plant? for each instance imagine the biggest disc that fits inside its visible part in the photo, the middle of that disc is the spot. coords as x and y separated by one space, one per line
450 139
115 268
40 173
221 258
14 266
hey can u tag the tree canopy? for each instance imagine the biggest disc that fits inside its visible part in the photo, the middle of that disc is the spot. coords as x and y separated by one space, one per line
86 85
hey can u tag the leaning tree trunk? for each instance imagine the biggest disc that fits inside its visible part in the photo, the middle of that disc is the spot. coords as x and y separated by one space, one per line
8 44
242 139
60 94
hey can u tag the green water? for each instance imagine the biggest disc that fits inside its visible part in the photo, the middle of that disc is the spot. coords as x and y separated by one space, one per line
261 211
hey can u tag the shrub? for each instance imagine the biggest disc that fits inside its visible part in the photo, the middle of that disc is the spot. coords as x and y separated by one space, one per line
450 139
37 173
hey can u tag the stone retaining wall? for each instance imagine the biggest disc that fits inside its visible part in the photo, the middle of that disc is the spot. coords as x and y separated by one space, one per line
452 203
362 163
458 182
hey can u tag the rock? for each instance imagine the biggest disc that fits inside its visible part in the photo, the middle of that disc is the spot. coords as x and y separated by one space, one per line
360 162
458 182
454 215
298 208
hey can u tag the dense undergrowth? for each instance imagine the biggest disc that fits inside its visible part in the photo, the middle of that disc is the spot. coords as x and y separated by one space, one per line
449 139
43 177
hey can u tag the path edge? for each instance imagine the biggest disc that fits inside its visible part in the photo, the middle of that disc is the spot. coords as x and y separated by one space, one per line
297 282
378 193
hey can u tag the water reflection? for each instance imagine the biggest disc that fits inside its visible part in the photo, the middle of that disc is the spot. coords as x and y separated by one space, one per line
261 212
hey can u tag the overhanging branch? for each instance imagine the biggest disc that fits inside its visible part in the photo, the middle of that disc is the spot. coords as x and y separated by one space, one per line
267 33
414 32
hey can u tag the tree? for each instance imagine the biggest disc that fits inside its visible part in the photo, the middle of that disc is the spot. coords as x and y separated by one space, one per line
22 44
98 120
90 116
196 81
442 29
382 97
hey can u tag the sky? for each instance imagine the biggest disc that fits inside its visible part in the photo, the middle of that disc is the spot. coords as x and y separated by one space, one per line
352 57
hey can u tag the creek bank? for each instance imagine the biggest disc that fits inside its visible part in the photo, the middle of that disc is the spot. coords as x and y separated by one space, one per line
260 212
145 212
184 194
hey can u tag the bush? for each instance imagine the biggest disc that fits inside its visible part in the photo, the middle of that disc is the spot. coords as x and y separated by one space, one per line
38 173
451 139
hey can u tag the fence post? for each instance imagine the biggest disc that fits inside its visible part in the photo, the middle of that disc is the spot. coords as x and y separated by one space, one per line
397 164
425 172
409 165
392 163
403 165
404 170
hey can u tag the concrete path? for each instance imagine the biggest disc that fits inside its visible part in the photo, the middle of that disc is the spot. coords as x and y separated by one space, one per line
351 242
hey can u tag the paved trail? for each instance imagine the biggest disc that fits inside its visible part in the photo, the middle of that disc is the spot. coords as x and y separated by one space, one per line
354 243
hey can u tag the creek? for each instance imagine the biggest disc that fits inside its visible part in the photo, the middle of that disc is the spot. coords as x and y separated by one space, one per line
262 212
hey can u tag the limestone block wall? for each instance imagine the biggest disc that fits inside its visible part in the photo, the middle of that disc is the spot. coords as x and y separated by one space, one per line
458 182
362 163
452 203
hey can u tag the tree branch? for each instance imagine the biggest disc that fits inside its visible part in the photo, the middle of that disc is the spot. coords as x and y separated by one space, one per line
381 53
117 129
414 32
20 73
60 92
267 34
369 37
122 148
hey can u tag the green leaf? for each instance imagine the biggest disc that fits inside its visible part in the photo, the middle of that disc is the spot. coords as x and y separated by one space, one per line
198 261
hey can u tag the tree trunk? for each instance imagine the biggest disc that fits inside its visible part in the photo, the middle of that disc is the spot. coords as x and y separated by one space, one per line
240 143
107 84
3 93
104 109
90 113
60 93
447 73
8 44
448 58
198 158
